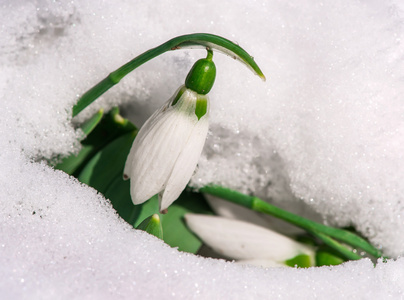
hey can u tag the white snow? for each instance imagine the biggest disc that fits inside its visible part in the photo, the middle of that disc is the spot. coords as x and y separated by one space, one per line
325 132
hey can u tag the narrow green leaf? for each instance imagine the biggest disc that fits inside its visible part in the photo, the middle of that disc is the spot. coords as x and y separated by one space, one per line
323 232
89 125
110 127
332 243
328 258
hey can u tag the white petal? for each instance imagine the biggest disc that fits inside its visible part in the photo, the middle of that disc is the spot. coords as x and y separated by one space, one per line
186 163
154 158
240 240
155 119
158 145
150 123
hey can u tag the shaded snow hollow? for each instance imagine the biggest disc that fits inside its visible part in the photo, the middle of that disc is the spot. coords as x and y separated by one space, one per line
326 131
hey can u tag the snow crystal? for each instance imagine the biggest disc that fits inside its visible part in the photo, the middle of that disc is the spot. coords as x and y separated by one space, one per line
323 133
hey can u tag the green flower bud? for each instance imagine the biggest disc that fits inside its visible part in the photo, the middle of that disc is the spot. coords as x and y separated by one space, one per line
152 225
202 75
300 261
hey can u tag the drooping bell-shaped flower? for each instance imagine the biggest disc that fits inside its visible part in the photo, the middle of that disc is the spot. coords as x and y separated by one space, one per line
166 150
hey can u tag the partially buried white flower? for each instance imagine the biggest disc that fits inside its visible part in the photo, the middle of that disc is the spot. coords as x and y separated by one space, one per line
248 243
166 150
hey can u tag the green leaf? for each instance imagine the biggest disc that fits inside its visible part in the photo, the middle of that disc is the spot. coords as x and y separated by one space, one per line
152 225
108 163
110 127
118 192
176 233
147 208
73 162
327 257
89 125
104 172
328 235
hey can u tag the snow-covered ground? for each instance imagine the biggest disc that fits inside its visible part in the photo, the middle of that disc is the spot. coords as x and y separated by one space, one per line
325 131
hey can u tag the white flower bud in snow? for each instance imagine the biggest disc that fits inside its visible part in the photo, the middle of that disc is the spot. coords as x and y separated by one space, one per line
167 148
244 241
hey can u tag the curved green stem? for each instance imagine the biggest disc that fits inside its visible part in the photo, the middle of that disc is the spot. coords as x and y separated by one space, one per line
315 228
206 40
336 246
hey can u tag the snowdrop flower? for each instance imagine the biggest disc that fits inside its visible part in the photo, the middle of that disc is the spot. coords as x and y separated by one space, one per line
247 242
166 150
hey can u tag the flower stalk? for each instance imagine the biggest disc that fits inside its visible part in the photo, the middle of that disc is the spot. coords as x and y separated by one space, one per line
204 40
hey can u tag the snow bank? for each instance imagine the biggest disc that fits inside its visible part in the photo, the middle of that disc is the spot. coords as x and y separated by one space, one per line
325 131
